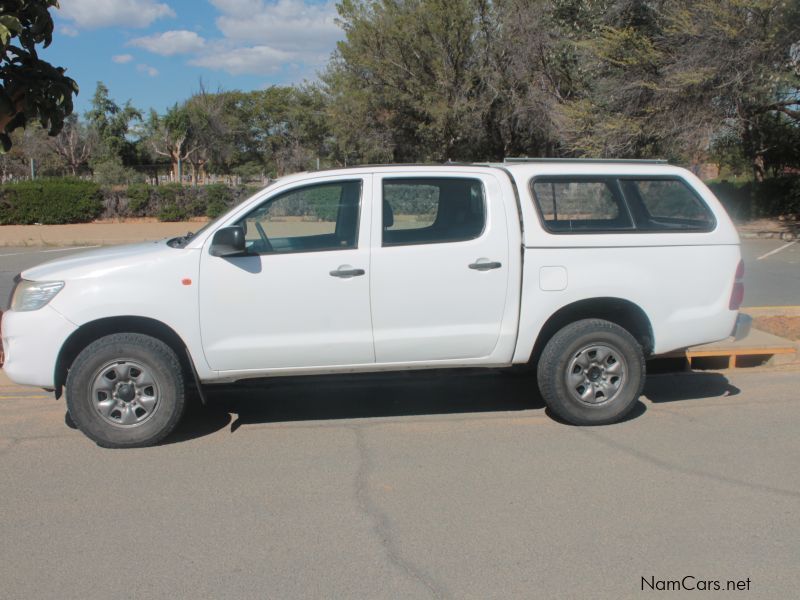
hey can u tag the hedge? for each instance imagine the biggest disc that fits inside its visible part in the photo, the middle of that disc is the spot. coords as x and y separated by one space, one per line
50 201
172 202
753 199
55 201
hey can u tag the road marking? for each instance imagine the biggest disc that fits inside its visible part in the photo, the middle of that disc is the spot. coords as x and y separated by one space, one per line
771 252
53 250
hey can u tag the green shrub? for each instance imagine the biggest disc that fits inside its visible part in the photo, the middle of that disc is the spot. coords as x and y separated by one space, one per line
113 172
171 212
219 197
777 196
138 199
751 199
735 197
50 201
168 193
194 202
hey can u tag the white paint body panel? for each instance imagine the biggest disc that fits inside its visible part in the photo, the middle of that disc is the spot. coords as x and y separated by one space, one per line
31 341
428 305
279 311
416 307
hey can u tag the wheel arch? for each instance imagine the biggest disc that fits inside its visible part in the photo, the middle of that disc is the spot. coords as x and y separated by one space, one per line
626 314
94 330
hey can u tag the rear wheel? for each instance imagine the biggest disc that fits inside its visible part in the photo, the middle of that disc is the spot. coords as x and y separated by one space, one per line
126 390
591 372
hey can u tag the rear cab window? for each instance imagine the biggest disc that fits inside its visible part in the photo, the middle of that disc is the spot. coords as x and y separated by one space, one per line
666 205
569 205
635 204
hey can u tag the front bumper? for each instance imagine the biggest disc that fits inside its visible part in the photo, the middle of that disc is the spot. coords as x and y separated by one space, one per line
31 342
742 327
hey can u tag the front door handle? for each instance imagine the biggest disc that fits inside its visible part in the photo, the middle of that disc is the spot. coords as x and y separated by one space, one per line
485 266
346 272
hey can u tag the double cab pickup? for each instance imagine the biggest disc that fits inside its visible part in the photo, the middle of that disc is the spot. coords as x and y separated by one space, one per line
578 269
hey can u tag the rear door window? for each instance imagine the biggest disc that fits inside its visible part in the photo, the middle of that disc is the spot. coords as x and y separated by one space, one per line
432 210
579 205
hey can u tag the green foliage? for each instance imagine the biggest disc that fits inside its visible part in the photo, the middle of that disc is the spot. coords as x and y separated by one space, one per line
694 81
426 98
31 89
754 199
169 193
219 198
50 201
323 202
112 124
138 199
111 171
172 212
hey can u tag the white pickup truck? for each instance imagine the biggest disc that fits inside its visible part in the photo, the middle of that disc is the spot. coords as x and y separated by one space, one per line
580 269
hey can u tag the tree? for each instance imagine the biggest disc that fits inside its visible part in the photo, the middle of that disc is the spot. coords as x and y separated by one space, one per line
31 89
167 136
670 77
752 81
74 144
413 65
112 125
212 130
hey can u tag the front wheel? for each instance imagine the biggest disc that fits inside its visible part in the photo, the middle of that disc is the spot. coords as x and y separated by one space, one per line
126 390
591 372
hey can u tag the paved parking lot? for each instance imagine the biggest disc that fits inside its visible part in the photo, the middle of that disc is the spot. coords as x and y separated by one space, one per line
409 486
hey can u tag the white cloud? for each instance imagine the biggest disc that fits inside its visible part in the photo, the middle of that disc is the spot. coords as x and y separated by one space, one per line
289 25
143 68
259 60
169 43
91 14
68 31
121 59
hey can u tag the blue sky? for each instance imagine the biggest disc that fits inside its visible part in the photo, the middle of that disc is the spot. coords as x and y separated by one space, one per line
155 52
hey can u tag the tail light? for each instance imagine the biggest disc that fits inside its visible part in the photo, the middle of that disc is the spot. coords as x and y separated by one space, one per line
737 294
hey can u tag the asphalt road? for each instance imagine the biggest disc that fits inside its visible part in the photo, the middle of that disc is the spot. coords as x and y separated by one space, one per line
771 281
410 486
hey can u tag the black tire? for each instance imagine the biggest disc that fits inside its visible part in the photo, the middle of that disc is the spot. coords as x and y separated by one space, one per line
143 358
576 376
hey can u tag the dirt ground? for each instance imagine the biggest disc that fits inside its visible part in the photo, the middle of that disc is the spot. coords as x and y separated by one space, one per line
783 326
89 234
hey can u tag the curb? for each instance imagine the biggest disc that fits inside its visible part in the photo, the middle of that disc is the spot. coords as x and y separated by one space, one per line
769 235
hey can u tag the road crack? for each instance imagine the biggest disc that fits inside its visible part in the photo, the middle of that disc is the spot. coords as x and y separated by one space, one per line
382 525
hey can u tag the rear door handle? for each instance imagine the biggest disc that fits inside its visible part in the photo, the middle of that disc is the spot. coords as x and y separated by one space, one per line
346 272
485 266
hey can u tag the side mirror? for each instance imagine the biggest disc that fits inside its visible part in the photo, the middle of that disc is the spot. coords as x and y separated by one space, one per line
228 241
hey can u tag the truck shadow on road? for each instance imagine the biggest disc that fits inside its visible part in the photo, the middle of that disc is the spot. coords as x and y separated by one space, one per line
383 395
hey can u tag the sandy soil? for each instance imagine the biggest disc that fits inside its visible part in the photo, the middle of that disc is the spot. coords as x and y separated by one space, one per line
783 326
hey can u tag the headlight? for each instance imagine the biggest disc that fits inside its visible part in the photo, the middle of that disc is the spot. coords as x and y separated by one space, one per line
33 295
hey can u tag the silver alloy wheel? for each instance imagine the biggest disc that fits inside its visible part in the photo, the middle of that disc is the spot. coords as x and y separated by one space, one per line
596 374
124 393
